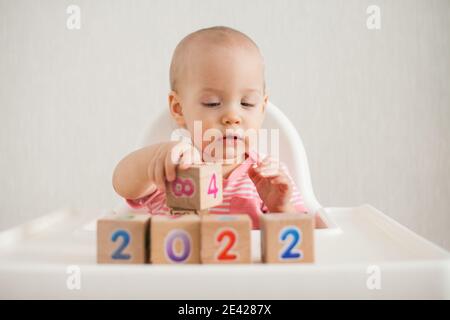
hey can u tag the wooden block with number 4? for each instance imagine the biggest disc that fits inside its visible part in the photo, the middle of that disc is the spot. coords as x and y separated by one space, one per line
123 238
175 239
198 187
226 238
287 237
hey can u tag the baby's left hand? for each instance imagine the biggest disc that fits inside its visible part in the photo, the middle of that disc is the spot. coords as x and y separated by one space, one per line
272 184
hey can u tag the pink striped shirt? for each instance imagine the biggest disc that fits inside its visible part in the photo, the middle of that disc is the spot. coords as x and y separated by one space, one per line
239 195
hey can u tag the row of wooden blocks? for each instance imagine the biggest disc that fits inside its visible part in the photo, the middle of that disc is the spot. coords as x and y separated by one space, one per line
178 239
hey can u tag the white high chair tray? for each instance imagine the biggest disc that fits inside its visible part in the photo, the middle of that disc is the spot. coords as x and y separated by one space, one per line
34 261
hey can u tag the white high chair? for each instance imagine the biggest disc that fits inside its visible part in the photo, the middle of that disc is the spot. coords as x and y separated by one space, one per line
360 245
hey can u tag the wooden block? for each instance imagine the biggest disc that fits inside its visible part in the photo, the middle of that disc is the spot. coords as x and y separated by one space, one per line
226 238
287 237
197 188
177 212
123 238
175 239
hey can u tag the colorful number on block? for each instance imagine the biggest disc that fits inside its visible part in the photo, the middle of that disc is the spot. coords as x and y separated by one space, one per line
118 254
185 252
212 188
183 187
227 239
289 250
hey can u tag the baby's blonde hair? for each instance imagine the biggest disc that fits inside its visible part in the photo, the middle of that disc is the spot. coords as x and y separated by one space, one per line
220 35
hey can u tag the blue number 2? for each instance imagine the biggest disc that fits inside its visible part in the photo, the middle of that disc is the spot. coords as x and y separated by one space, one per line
288 251
118 255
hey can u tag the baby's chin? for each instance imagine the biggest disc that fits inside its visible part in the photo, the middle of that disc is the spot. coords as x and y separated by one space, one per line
232 156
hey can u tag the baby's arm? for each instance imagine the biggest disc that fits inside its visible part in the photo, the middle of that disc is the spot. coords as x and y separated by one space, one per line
130 178
143 171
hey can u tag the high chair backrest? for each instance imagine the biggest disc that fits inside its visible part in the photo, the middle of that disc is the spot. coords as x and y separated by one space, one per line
291 149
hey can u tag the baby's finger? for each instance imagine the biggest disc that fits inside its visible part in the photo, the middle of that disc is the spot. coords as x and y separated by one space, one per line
194 154
159 175
262 173
254 174
177 151
266 160
274 164
190 157
186 160
169 168
269 163
280 180
269 172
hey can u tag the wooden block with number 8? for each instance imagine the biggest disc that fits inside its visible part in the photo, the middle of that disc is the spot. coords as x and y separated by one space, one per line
199 187
287 238
123 238
226 238
175 239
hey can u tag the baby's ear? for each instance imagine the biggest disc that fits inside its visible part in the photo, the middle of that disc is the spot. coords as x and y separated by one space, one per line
265 101
175 108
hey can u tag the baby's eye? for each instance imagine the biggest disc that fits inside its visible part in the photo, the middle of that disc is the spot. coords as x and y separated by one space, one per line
211 104
245 104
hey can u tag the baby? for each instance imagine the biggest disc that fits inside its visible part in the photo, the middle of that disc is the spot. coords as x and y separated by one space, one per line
216 77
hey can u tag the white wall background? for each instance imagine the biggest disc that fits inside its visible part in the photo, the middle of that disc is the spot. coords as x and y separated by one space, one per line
373 107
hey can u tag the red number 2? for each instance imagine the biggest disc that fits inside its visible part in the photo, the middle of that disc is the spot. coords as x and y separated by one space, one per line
224 254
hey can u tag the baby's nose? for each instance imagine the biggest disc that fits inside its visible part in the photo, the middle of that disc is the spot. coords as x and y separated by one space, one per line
231 119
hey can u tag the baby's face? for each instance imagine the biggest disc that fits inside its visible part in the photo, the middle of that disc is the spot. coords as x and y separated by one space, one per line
224 89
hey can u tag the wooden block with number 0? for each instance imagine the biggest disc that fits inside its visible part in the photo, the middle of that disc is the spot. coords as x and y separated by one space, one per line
123 238
226 238
175 239
198 187
287 237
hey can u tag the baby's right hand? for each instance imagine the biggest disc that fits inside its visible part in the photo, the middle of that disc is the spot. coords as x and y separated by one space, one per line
167 156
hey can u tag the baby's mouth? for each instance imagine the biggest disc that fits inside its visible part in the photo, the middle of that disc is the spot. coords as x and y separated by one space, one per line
229 146
232 137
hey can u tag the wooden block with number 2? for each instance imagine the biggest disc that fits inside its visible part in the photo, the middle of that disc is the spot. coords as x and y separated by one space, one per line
287 238
226 238
123 238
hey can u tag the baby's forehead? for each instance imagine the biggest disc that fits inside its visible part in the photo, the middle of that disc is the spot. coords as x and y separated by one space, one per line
211 46
206 46
213 62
